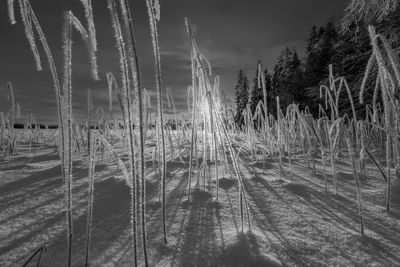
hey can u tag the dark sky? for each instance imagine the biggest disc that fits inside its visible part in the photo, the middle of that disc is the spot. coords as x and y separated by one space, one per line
232 34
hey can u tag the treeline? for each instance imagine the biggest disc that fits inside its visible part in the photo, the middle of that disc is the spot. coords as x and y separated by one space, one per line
344 44
32 126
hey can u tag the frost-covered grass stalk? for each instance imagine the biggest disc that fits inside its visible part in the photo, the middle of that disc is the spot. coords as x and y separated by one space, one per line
3 134
29 19
67 108
334 136
349 141
30 24
153 8
171 102
205 107
89 109
71 22
387 82
128 122
279 136
64 102
134 64
316 130
221 127
14 114
89 218
193 137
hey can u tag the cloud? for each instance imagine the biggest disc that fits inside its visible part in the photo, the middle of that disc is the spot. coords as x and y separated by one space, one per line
232 36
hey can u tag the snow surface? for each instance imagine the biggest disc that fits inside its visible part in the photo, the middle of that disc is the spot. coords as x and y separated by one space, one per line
294 221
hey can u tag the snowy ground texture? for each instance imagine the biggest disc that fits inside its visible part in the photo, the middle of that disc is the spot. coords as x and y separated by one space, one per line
294 221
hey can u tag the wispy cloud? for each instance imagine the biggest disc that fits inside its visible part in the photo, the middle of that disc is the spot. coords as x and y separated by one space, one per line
232 35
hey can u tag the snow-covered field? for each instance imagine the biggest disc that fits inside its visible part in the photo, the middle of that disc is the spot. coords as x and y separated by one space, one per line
294 222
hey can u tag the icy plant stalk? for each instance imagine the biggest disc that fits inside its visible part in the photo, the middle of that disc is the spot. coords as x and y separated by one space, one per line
91 37
70 22
63 100
349 141
30 23
279 133
66 105
204 97
215 143
11 130
192 141
125 100
153 8
333 135
388 85
89 217
134 63
89 108
3 132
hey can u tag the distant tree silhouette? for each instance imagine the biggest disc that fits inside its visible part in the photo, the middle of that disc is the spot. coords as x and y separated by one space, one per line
321 47
257 94
344 44
242 97
287 80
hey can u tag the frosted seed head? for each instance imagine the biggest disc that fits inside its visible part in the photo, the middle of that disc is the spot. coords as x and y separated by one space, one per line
11 14
18 111
157 9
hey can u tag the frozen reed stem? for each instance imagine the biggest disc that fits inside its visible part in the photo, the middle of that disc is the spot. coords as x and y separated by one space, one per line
349 138
153 8
31 23
89 108
279 135
134 63
67 87
89 218
192 140
12 134
128 123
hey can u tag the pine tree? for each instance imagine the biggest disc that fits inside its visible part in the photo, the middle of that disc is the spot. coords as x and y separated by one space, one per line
269 89
321 47
278 79
296 79
312 39
287 81
242 97
256 92
368 11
